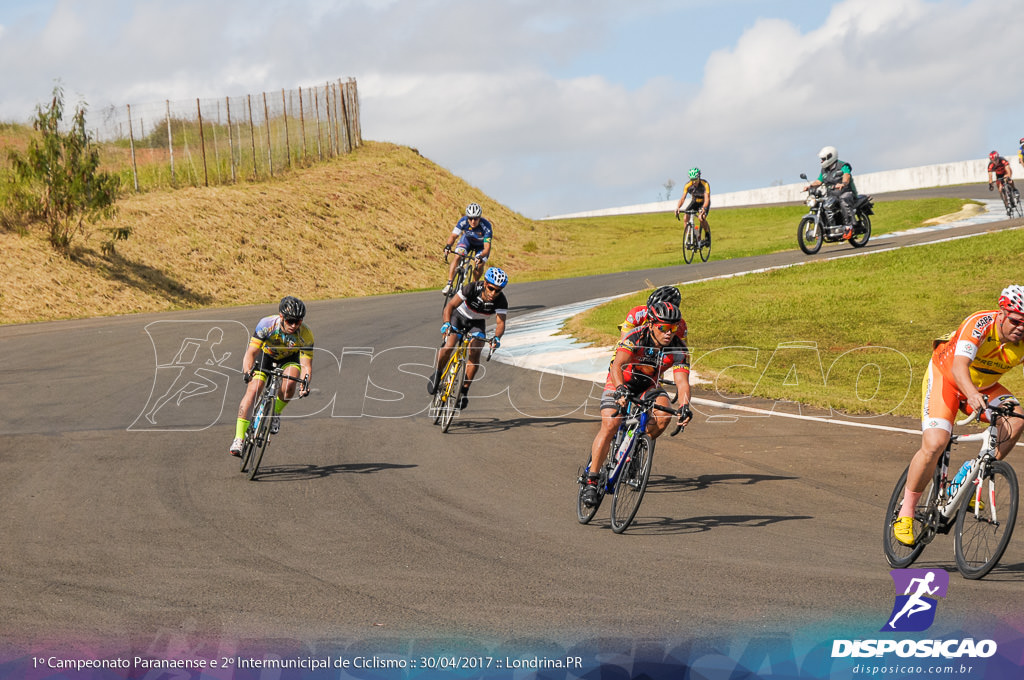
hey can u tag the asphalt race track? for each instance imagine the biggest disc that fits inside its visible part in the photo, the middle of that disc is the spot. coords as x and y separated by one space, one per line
125 521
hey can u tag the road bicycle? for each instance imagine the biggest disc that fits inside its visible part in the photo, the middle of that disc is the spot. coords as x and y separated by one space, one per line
257 436
1011 199
695 240
464 273
627 466
449 382
980 508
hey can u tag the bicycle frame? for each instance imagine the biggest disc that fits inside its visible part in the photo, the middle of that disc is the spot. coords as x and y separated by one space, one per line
451 378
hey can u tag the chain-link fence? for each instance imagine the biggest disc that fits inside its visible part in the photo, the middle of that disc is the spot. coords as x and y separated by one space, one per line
218 141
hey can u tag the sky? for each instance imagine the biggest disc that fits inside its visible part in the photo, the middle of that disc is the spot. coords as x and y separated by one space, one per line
557 106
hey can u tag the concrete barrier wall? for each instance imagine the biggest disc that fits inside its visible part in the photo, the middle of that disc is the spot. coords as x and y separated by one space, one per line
943 174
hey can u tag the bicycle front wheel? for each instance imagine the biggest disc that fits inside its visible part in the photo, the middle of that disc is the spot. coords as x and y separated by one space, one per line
452 388
984 527
261 439
632 483
689 243
897 554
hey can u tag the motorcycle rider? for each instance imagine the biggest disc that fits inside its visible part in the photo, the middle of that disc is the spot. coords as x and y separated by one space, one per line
837 175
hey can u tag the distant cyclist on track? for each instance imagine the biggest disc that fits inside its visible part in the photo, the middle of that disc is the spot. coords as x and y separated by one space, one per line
641 358
963 373
697 197
468 310
281 341
999 171
474 233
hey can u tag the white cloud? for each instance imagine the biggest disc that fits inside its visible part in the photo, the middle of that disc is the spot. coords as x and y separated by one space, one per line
501 92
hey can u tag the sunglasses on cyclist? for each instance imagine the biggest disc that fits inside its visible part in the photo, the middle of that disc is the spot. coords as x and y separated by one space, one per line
1016 323
665 327
492 288
292 321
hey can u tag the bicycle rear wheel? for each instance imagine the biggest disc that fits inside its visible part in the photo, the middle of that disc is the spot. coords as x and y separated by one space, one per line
632 483
982 533
689 243
452 388
261 439
897 554
584 512
705 245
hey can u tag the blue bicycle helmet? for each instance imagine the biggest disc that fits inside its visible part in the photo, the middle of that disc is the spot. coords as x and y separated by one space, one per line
496 277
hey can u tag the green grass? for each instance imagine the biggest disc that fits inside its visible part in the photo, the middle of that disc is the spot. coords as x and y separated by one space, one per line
621 243
852 334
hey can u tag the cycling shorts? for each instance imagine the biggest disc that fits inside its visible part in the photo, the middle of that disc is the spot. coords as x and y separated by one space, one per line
941 400
265 362
463 323
469 245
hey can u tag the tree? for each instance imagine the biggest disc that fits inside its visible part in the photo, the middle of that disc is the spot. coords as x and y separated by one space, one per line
58 178
668 187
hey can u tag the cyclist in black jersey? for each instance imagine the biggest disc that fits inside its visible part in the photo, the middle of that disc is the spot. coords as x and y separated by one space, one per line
468 310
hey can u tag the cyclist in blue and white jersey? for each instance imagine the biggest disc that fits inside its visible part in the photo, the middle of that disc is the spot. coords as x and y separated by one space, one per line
468 311
474 234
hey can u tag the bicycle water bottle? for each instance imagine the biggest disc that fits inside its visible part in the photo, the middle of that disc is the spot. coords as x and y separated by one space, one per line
958 481
624 446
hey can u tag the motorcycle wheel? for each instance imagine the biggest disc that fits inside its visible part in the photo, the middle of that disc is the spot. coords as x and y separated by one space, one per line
809 236
861 231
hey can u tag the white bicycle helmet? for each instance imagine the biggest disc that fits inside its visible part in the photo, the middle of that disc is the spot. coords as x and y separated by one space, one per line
828 156
474 210
1012 299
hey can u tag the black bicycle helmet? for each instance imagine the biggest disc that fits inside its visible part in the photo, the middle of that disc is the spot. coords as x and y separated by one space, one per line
665 294
292 308
664 312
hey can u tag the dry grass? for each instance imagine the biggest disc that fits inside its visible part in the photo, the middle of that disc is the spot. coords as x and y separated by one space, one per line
370 222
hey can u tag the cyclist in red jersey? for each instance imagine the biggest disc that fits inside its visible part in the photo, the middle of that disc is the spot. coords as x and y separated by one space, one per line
999 171
640 360
964 374
638 315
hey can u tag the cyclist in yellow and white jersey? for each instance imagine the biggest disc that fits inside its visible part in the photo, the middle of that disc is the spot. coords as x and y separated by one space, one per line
281 341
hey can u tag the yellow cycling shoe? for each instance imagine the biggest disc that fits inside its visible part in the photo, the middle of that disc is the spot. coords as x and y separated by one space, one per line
972 503
903 530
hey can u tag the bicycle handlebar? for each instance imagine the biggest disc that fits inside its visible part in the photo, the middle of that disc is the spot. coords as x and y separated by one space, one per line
1004 409
648 403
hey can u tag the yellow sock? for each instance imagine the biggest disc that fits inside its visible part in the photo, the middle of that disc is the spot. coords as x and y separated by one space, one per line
241 425
279 405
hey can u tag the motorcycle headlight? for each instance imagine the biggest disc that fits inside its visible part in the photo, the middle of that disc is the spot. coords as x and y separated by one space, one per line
811 201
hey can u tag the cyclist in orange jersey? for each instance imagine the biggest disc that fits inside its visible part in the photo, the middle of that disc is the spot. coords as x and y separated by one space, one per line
963 374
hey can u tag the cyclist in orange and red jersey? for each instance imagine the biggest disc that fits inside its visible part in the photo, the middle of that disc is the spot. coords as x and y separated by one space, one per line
638 315
641 358
999 171
963 374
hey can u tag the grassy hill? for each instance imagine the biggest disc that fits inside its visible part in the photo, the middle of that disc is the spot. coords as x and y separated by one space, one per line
365 223
370 222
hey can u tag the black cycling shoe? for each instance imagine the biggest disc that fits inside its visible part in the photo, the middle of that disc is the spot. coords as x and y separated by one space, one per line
463 401
432 384
590 492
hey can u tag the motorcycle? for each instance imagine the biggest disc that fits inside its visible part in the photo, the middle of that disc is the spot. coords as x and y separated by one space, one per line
823 222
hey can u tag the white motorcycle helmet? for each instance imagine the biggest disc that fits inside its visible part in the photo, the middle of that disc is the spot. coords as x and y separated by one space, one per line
828 156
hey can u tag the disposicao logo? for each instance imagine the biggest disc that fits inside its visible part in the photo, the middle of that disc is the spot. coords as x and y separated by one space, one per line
914 609
917 593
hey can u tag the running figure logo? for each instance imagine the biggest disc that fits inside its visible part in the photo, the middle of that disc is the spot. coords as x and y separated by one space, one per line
192 374
914 609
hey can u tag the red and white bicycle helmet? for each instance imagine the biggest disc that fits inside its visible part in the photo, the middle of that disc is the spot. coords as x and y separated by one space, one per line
993 155
1012 299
